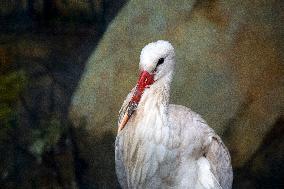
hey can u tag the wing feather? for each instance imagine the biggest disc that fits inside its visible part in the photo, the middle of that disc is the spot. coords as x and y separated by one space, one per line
119 164
123 108
220 161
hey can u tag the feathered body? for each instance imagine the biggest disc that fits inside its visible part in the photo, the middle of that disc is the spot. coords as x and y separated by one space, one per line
169 146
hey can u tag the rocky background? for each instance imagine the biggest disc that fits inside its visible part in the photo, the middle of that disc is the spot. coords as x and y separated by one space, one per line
67 65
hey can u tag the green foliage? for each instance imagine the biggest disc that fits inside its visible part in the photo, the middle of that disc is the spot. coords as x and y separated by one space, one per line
11 85
46 136
20 146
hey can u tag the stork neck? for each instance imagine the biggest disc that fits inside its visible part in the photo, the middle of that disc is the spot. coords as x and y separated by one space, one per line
152 112
157 96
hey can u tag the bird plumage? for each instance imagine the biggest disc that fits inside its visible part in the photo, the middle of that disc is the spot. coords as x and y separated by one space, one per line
165 145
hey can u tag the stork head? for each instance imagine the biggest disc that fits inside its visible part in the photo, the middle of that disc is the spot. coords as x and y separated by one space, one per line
157 59
156 62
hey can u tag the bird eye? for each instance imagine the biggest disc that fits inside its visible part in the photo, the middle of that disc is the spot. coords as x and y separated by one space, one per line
160 61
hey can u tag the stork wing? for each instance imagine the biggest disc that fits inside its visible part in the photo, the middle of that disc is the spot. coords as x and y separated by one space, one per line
119 164
220 162
124 106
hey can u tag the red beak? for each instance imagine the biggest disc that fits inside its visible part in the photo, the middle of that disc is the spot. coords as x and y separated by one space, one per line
145 80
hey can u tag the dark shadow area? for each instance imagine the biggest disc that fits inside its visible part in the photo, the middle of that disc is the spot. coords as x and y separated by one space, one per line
49 41
101 145
265 168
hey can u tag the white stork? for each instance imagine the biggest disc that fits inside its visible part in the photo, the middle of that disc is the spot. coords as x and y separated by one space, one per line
162 145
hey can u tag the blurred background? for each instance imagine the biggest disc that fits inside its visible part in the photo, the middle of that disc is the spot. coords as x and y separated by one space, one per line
67 65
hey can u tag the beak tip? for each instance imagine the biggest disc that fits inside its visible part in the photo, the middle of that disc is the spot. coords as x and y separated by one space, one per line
123 123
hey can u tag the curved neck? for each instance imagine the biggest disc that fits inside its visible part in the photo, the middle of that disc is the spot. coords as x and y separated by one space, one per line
155 100
152 111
